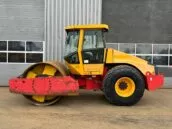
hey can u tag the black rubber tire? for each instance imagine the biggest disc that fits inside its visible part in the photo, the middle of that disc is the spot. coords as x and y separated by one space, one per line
116 73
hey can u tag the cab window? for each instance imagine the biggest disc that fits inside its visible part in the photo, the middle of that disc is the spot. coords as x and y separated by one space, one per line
93 39
71 47
93 47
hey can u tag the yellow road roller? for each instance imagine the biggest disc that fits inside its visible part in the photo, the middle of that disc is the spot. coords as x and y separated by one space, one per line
89 65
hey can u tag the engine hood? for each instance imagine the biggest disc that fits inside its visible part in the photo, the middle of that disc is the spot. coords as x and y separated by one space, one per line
117 57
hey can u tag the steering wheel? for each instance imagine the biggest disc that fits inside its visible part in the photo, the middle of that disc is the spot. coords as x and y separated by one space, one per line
88 56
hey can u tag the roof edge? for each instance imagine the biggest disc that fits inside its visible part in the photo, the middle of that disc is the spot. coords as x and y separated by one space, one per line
87 26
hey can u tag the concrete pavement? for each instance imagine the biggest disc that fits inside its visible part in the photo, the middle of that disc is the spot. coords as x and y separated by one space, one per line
90 110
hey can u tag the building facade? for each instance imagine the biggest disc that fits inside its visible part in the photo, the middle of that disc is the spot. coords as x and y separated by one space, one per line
33 30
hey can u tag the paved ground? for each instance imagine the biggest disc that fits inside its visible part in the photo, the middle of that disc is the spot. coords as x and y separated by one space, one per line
88 111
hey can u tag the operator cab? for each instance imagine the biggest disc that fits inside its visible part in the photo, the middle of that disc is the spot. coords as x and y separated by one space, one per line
85 47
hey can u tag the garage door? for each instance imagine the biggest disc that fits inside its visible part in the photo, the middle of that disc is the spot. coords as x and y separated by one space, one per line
142 28
21 36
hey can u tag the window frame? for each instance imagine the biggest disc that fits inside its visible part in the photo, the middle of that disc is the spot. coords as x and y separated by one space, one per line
152 54
94 49
78 31
24 51
68 55
103 39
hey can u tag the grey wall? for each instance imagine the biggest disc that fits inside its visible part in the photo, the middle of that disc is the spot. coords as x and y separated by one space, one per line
8 71
145 21
27 20
22 20
140 21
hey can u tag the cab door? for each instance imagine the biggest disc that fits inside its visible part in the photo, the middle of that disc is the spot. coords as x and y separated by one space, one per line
93 52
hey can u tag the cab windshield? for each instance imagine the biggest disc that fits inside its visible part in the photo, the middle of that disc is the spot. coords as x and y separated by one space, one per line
71 44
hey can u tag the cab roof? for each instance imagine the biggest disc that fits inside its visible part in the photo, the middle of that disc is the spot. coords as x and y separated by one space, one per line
88 26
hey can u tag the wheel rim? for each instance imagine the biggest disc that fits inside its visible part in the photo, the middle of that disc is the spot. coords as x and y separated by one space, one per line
125 87
42 70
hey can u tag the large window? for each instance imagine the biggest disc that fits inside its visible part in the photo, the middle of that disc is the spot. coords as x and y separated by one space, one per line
21 51
157 54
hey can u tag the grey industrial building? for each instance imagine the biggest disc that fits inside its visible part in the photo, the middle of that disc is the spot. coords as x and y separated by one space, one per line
33 30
